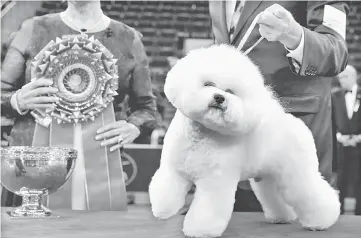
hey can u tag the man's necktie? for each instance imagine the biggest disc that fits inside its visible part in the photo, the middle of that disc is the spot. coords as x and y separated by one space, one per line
237 13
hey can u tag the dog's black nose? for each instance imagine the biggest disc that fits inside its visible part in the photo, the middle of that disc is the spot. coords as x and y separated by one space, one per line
219 98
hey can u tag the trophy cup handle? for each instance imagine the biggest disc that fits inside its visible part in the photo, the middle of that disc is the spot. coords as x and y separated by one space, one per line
20 168
70 166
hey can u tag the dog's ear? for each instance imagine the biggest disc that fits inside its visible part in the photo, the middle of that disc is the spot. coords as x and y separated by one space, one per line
171 90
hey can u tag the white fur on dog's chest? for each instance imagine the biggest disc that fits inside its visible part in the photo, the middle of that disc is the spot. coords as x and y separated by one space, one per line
205 154
201 159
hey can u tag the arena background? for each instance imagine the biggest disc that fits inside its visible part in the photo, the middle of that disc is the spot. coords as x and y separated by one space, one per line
169 29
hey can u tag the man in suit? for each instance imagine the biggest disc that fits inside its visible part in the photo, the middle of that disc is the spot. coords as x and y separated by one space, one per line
347 110
304 46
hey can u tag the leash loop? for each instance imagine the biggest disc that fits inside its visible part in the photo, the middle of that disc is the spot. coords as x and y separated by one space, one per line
247 34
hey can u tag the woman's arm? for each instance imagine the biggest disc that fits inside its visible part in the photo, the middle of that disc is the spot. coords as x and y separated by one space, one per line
13 68
142 102
19 98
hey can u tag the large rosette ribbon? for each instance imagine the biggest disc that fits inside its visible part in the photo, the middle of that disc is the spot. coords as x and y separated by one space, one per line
85 74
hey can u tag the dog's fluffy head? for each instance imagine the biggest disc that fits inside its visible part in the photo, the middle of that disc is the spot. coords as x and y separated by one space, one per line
219 87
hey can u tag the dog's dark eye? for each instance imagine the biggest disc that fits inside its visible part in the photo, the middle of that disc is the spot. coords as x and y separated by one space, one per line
209 84
229 91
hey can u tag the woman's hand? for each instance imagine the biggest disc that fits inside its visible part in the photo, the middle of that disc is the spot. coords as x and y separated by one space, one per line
34 95
117 134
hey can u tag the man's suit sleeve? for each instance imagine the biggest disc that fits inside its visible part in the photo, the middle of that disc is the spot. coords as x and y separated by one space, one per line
325 48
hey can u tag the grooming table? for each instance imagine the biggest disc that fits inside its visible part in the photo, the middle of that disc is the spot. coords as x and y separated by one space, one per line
138 222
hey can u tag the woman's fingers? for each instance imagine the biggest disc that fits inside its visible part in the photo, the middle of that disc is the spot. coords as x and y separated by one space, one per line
108 134
33 94
40 91
37 102
39 106
111 126
117 146
117 134
41 100
121 144
117 141
111 141
43 82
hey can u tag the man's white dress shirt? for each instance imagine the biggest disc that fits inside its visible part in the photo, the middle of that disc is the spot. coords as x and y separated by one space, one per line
350 100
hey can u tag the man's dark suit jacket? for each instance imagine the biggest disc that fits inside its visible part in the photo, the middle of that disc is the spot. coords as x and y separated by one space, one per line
307 93
349 158
344 125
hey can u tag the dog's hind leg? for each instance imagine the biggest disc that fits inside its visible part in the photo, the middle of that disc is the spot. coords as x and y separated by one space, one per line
167 192
274 206
315 202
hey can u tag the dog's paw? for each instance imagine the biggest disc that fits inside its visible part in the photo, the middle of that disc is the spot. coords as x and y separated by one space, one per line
166 208
164 205
317 225
315 228
205 228
200 236
201 233
278 221
281 218
162 215
164 212
322 219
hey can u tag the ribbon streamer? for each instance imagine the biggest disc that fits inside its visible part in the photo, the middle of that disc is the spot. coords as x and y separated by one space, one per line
104 180
247 34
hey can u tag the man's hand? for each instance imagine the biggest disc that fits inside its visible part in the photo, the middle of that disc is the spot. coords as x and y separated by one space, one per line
354 140
278 24
346 140
117 134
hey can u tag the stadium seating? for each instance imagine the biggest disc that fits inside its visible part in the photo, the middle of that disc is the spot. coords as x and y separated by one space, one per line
160 23
354 34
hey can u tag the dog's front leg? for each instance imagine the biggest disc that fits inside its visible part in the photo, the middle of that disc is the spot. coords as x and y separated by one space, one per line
167 192
212 207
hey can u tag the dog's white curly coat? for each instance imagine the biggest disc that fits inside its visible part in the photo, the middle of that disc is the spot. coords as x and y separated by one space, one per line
251 137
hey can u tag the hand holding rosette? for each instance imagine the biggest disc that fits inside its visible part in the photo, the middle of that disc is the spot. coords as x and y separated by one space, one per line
117 134
34 95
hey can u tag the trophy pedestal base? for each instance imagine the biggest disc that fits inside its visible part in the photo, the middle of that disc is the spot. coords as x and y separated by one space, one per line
26 213
31 206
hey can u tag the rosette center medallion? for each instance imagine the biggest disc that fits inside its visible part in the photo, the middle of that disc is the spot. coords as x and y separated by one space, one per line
84 72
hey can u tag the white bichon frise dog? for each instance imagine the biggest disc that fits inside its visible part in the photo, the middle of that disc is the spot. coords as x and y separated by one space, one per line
229 127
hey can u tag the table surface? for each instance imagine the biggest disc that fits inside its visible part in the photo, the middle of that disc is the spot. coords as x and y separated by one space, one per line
138 222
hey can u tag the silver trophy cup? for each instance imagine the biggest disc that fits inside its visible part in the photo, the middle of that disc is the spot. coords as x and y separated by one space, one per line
33 172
